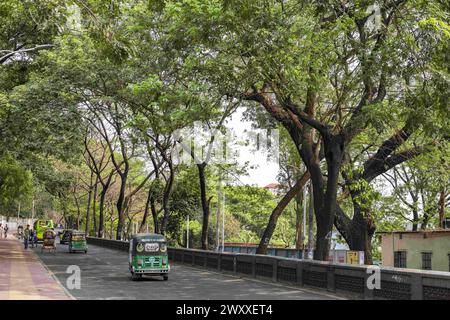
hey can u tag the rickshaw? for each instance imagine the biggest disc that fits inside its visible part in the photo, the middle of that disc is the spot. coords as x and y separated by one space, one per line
49 241
77 241
65 236
147 255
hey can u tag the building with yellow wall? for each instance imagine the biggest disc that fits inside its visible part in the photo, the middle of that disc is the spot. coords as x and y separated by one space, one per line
427 250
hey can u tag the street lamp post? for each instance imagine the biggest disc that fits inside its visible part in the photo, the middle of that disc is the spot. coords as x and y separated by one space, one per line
218 214
310 222
187 232
304 221
32 211
223 224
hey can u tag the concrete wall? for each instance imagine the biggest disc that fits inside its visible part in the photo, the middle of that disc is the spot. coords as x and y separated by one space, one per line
414 243
13 222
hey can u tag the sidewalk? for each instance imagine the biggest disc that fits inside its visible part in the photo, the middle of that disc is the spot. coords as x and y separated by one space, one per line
22 275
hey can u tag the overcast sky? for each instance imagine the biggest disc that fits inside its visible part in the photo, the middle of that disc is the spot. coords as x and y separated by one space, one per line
265 171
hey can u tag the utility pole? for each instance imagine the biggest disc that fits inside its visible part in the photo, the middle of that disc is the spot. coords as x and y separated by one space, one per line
304 220
18 213
223 224
218 213
310 222
187 232
32 211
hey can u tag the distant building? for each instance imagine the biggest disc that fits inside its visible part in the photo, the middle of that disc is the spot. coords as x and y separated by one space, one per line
274 188
427 250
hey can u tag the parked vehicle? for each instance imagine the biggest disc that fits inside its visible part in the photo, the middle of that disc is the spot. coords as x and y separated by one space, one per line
77 241
148 256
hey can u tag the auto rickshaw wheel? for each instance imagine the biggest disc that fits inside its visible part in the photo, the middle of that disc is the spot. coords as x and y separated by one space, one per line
165 277
136 277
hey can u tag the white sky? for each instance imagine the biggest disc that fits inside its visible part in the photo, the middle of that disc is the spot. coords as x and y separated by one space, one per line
264 171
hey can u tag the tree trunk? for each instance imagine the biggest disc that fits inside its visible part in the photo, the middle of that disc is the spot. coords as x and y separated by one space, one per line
334 151
88 206
205 205
298 223
147 205
101 216
357 232
154 215
120 205
311 221
101 213
271 225
362 231
415 219
94 206
166 197
77 226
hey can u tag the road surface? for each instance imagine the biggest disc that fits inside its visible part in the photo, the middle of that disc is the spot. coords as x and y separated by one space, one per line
105 275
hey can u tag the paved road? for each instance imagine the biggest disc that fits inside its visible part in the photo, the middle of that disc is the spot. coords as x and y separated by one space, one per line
105 275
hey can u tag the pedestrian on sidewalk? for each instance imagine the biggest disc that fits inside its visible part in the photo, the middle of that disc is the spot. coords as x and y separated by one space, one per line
1 231
26 236
6 231
33 238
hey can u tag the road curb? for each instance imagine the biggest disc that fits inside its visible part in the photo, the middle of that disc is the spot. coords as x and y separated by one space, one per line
54 276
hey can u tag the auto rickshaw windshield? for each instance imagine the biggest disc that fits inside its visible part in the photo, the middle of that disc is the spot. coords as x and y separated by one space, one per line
150 248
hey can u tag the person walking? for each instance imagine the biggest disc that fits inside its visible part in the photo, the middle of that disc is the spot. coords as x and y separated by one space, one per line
26 236
1 231
6 231
34 238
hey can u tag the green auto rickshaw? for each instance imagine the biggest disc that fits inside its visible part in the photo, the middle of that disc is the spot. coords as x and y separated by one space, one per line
148 256
77 241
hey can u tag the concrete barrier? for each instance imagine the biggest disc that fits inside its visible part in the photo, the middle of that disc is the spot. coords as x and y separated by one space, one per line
345 279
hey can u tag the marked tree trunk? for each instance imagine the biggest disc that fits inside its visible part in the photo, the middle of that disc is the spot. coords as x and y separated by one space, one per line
88 205
205 204
94 206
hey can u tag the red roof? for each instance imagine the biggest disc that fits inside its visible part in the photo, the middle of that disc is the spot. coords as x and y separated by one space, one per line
272 186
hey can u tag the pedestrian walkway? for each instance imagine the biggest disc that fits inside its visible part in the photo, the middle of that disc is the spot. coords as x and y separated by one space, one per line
22 275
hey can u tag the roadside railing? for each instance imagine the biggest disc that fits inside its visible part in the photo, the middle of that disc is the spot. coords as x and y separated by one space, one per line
348 280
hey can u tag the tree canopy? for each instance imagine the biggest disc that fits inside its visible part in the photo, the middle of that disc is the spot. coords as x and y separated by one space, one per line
94 95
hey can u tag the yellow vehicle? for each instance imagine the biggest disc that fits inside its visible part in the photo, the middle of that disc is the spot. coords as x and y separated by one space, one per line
40 226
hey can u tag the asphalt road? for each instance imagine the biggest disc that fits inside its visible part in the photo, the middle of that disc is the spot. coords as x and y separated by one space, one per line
105 275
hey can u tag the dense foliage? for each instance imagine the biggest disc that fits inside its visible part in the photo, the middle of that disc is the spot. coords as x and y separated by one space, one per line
94 93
